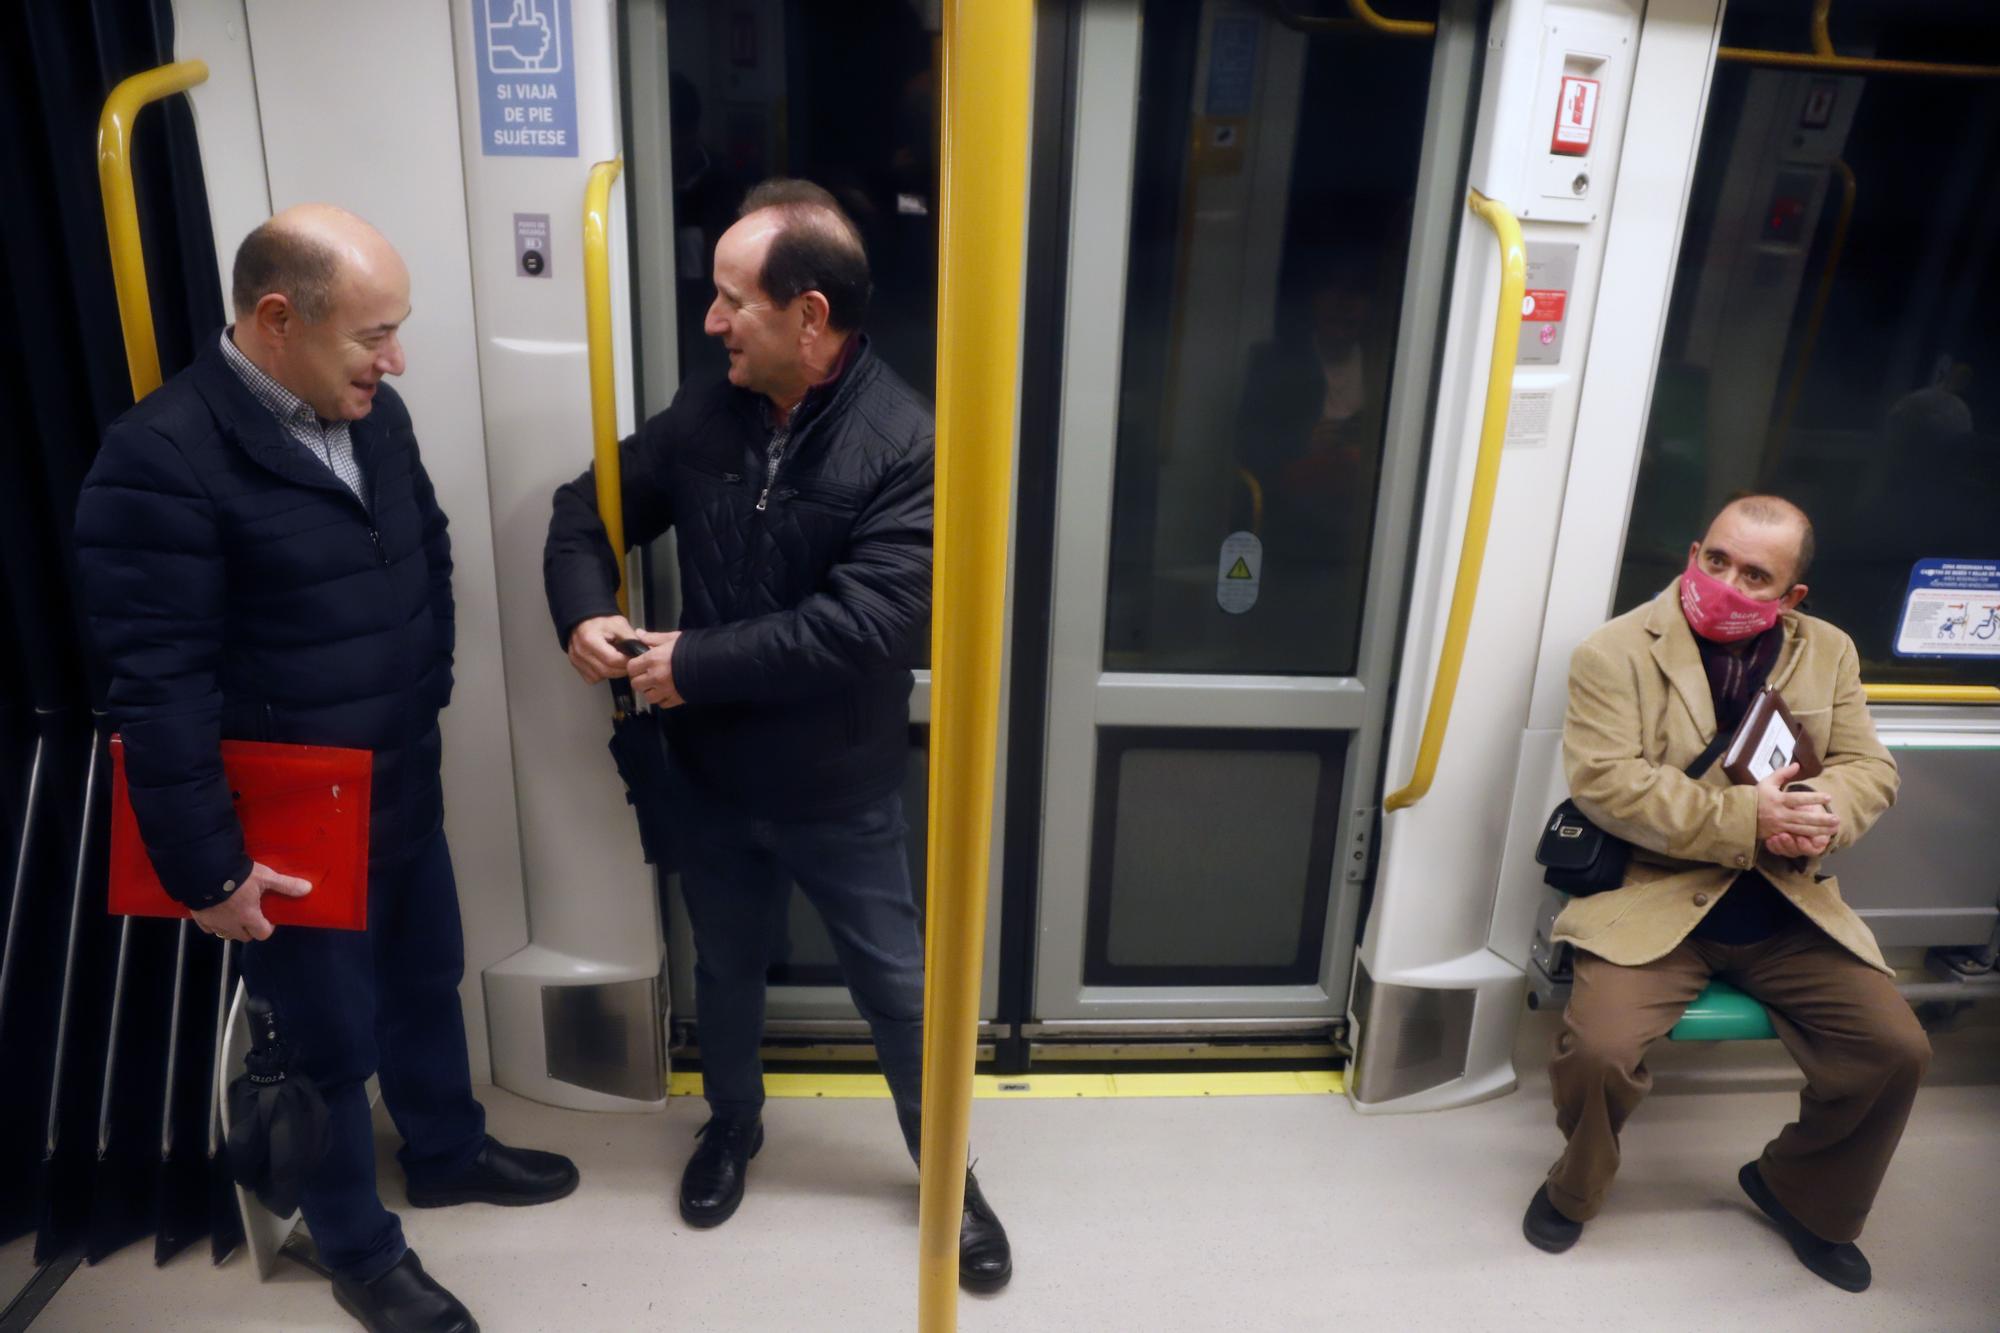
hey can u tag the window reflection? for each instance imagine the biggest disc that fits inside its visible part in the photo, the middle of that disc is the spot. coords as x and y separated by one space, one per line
844 95
1831 336
1262 291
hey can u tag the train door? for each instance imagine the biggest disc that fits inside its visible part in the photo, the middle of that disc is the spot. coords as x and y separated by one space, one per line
1261 212
717 98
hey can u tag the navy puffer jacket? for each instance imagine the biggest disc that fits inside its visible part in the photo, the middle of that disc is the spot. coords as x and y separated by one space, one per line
237 588
803 602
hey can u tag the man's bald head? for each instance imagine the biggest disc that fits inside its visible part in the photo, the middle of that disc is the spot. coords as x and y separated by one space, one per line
320 296
815 247
1775 511
304 253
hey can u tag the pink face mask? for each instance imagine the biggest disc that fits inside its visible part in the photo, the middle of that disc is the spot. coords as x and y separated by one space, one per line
1718 612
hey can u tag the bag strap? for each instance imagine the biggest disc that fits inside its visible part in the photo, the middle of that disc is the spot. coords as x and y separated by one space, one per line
1708 756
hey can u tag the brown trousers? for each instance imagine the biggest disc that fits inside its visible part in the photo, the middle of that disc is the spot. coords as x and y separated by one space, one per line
1861 1049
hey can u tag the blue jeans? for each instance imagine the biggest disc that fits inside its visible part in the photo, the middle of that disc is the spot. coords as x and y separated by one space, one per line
854 872
384 1002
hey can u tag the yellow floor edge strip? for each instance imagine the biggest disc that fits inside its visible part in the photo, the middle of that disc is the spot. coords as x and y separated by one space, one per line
1222 1083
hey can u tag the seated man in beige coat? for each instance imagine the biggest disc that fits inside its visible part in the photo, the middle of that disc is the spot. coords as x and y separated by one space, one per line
1724 881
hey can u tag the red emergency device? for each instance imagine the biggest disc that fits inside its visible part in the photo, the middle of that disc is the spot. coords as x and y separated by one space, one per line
304 810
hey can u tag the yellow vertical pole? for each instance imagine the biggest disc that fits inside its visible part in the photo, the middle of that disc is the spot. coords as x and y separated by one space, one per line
603 378
987 46
121 210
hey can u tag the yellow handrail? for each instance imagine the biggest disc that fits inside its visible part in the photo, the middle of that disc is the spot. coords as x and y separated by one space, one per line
1836 245
603 384
1364 11
1822 57
987 49
1932 694
121 210
1743 55
1485 481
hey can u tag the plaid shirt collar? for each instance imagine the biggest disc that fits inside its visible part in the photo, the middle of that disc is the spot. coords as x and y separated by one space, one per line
285 405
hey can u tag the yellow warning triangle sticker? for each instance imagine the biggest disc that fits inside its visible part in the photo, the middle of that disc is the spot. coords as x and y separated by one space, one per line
1239 570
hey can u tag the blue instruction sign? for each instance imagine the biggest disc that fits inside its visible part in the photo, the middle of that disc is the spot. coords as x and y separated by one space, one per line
1952 609
527 78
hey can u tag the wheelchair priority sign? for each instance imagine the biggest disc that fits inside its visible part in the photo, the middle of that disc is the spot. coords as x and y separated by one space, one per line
1952 609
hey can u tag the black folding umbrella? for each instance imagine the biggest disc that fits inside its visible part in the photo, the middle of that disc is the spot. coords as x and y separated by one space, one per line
639 748
277 1120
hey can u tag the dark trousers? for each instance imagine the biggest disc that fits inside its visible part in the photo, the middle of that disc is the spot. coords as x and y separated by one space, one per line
1861 1049
384 1002
854 872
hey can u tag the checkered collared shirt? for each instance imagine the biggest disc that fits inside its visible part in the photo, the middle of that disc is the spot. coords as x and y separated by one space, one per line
326 441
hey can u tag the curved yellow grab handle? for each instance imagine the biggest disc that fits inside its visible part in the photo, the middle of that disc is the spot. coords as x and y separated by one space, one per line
603 383
1485 481
1365 12
121 210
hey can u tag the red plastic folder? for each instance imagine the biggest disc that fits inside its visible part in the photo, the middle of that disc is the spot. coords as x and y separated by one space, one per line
304 810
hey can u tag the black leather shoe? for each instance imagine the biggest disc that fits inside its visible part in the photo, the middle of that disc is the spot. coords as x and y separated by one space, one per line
1840 1262
712 1182
405 1299
511 1177
985 1259
1546 1228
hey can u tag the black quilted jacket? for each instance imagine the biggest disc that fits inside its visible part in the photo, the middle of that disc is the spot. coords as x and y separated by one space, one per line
799 619
238 589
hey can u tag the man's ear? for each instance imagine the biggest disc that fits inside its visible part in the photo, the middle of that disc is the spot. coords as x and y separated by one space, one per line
274 316
814 313
1792 599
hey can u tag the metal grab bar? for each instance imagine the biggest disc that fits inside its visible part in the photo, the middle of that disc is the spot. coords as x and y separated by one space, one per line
1824 59
1365 12
1363 19
1822 37
121 210
987 62
1485 482
1932 694
603 383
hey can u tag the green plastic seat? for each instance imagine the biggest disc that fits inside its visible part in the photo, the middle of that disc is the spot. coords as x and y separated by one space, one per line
1723 1013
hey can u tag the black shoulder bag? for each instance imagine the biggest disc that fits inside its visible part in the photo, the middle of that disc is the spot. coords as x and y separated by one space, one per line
1579 858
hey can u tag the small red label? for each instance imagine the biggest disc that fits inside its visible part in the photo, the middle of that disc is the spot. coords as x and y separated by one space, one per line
1576 117
1542 306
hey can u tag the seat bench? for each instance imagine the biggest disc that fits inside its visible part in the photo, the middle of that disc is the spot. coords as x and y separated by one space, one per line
1723 1013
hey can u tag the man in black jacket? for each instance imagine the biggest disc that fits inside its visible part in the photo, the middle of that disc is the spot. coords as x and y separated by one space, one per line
799 493
264 559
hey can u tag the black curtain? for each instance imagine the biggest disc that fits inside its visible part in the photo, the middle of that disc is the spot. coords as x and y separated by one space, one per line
88 1016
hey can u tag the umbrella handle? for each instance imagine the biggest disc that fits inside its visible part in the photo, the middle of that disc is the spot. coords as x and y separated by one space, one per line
623 703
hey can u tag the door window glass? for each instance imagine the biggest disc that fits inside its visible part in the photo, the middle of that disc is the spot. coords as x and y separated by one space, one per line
843 95
1273 184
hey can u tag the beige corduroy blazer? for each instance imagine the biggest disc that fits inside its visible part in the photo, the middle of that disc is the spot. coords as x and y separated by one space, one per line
1639 712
